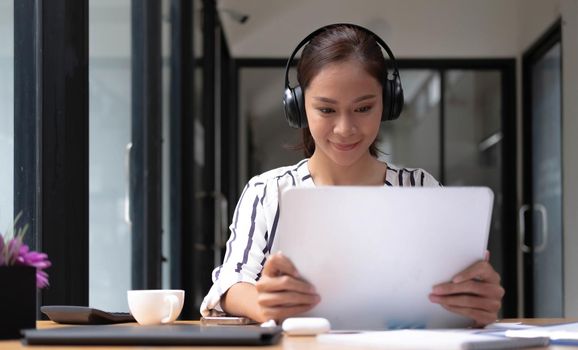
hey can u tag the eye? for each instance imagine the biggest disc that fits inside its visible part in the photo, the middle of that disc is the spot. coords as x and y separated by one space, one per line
363 109
326 110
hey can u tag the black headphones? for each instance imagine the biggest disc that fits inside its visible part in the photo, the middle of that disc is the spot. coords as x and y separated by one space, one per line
294 102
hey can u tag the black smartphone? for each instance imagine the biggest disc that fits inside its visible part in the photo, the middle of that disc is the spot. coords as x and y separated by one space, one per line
226 321
68 314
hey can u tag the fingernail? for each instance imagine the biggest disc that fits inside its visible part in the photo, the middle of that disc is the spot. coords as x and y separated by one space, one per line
458 279
437 289
434 298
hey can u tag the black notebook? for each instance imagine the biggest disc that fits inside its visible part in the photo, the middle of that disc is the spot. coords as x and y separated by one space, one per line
177 334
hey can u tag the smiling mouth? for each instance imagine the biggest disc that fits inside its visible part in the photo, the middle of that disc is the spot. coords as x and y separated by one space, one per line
345 146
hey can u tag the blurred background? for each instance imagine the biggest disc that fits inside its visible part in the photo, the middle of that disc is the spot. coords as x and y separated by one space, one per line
178 104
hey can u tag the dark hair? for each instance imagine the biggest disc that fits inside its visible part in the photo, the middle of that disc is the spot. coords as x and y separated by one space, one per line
338 43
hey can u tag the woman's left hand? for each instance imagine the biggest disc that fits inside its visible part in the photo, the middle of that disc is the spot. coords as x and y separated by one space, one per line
475 293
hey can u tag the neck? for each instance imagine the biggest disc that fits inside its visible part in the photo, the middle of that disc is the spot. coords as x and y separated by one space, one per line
367 171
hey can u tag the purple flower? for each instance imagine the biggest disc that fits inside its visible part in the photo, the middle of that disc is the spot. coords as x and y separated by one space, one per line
35 259
14 252
13 249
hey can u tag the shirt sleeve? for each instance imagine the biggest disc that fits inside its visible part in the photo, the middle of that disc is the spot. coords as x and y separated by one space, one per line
245 250
427 180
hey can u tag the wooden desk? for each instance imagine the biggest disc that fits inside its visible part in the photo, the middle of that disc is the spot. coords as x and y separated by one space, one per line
287 343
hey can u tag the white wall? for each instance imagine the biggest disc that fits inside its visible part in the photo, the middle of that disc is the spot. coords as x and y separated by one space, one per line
534 17
570 160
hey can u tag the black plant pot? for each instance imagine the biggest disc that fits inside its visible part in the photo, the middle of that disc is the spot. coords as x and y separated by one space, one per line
17 300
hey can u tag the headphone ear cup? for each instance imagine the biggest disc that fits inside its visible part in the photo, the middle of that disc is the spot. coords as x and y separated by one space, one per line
397 97
387 98
294 107
300 99
291 108
392 99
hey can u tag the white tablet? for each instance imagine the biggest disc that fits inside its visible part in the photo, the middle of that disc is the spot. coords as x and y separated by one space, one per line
374 253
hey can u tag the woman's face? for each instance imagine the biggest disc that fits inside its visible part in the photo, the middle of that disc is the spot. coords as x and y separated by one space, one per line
344 106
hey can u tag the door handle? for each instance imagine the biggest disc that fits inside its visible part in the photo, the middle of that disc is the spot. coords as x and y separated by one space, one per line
540 208
127 204
521 216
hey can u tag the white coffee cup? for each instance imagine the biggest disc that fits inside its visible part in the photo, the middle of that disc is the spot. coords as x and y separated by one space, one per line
155 306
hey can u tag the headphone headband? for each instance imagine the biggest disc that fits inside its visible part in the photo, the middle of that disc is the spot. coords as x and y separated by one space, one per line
308 38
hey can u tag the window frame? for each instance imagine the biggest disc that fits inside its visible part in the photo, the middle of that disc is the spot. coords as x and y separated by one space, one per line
51 139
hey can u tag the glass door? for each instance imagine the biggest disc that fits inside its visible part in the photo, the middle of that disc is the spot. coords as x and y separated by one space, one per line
541 213
126 117
473 142
110 239
414 140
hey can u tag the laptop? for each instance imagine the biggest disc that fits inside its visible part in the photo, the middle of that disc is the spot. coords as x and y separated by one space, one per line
176 334
374 253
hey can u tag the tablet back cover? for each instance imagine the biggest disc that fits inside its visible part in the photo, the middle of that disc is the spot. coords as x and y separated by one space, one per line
178 334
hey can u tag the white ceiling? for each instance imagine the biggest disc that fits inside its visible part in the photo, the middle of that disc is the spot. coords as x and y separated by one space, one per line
275 26
413 28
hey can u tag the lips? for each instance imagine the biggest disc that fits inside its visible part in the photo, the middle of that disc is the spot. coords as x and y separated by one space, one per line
345 146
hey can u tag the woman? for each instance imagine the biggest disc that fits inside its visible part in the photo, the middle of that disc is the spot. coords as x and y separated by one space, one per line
342 73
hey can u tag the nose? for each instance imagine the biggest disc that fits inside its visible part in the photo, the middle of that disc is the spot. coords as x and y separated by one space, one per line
344 125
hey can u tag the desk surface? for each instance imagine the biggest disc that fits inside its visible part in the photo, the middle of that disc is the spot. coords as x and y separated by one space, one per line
287 343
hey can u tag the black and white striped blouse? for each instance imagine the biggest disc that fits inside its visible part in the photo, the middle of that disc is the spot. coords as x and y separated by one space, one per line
255 223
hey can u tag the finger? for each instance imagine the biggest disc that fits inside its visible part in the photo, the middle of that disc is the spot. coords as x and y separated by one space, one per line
469 302
481 318
286 299
278 264
280 313
487 256
284 283
482 271
489 290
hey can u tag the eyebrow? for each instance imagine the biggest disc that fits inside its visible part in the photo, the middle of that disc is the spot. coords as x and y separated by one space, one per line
329 100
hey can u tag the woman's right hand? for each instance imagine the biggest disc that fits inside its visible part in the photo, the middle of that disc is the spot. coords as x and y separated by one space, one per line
282 292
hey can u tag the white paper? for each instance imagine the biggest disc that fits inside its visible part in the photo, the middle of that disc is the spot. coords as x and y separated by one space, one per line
566 331
429 339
